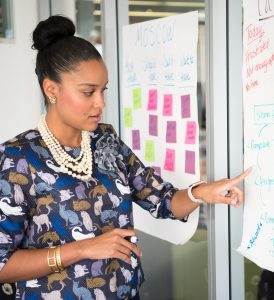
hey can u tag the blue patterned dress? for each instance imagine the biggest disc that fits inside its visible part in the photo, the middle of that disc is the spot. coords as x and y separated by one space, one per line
42 207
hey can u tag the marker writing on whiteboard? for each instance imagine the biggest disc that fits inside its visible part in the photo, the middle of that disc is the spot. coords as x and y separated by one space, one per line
255 236
134 261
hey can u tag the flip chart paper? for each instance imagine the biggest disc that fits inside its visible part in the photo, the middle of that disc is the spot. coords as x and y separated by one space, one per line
258 96
160 68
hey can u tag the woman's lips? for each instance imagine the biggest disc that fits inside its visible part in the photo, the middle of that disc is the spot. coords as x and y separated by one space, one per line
95 118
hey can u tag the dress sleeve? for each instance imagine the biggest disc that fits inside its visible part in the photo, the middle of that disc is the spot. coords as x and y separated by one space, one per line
148 189
15 184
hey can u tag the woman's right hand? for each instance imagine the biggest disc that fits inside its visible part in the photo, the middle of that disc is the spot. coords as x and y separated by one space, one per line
111 244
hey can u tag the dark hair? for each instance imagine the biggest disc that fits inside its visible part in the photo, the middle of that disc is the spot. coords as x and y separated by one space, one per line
58 49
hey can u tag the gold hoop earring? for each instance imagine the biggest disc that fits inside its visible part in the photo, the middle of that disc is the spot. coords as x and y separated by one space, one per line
52 99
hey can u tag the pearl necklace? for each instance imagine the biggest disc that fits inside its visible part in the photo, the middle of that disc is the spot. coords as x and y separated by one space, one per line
79 167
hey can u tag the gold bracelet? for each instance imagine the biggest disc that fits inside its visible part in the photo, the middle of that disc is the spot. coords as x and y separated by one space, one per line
58 258
52 259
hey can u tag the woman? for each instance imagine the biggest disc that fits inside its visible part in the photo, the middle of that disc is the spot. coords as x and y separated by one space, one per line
67 187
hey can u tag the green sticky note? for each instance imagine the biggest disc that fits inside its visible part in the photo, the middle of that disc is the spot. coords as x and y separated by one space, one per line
137 97
128 117
149 151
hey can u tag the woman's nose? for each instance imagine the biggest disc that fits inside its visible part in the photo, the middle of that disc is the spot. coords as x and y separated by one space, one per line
100 101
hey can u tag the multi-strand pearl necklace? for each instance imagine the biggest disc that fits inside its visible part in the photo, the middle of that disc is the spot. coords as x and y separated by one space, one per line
79 167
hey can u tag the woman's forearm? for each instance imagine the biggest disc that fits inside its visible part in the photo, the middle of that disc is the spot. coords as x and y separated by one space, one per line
222 191
28 264
181 205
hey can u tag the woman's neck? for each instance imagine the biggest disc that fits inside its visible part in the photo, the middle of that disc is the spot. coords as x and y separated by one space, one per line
65 134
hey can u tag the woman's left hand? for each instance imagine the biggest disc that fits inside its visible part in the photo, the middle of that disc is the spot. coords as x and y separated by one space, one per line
222 191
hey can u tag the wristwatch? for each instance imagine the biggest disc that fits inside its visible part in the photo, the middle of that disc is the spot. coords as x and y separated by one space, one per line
189 192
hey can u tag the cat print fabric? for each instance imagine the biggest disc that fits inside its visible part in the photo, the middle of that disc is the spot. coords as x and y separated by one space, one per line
42 207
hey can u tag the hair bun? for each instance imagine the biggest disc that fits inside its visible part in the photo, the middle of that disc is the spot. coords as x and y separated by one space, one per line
51 30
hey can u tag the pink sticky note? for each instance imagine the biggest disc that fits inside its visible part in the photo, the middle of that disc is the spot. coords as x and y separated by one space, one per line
157 170
185 106
190 132
152 100
136 140
171 132
153 125
168 107
190 162
170 160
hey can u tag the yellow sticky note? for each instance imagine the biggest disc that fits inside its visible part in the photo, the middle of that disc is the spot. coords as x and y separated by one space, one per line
128 117
149 151
137 98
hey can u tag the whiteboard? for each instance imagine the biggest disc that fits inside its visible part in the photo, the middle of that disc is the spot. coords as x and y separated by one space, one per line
258 96
159 104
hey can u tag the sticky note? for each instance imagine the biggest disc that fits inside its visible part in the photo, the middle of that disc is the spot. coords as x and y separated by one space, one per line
190 162
136 145
169 160
153 125
128 117
152 99
190 137
137 98
157 170
149 151
171 132
185 106
168 105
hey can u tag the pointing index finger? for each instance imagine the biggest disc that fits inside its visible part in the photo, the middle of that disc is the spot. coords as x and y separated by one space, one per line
241 177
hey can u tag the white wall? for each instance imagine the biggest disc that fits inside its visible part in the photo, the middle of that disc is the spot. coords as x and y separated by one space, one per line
65 8
20 97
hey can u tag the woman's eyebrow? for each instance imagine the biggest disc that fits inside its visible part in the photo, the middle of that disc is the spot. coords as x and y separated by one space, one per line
91 84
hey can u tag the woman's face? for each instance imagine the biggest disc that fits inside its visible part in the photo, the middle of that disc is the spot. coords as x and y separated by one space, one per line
80 95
